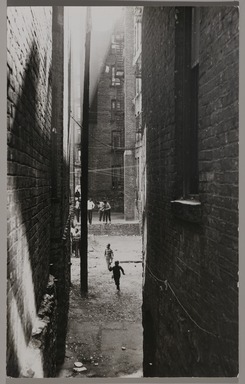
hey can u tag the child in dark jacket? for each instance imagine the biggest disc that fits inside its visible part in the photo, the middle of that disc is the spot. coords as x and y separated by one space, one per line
117 274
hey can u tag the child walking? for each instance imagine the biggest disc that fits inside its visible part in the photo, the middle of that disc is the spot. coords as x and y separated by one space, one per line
108 255
117 274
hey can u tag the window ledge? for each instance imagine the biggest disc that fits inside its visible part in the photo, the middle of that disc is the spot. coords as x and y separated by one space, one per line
188 210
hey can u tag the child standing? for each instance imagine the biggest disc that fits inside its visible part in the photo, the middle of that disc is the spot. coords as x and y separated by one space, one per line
108 255
117 274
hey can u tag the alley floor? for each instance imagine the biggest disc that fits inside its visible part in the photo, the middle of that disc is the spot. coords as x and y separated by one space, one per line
104 328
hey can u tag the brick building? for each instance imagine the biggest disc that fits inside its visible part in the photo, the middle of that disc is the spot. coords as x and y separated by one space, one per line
113 122
139 150
106 139
75 19
190 119
38 192
130 171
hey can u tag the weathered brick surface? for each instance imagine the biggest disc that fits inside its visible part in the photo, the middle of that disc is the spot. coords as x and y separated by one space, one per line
199 261
130 124
33 193
29 127
60 224
43 342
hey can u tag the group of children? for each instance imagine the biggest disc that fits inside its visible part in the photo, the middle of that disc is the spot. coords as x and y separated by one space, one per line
116 270
104 209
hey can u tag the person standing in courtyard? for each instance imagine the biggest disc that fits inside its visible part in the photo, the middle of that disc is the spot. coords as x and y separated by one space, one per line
77 195
107 212
77 210
116 270
101 207
90 208
77 242
104 211
109 255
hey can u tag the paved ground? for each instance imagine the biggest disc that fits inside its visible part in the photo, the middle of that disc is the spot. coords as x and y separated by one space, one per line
116 217
104 330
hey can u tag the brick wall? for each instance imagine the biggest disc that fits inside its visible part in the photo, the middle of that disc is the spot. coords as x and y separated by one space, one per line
191 265
60 221
102 157
29 126
130 124
31 195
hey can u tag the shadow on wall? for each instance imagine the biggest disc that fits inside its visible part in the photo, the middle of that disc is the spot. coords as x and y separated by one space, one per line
149 345
29 208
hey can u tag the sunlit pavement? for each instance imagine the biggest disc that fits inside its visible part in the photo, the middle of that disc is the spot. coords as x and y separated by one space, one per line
104 330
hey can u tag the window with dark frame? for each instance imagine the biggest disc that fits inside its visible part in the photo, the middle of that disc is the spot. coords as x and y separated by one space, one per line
187 35
116 176
113 104
195 42
116 139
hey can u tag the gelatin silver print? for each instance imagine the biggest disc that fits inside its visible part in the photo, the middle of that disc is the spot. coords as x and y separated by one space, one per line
122 191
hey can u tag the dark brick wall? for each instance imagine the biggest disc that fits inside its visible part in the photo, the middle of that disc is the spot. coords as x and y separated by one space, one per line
38 213
29 201
60 224
29 123
190 298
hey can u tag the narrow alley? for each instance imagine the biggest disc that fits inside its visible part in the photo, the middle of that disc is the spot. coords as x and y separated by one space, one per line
122 129
105 328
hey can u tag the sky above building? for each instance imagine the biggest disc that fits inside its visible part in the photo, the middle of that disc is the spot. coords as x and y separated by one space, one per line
103 18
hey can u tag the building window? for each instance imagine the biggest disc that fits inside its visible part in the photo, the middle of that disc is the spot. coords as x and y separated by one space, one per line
78 135
118 105
113 109
187 34
195 39
113 104
138 36
116 176
119 38
107 69
116 139
137 173
78 155
114 49
114 79
137 29
138 85
138 96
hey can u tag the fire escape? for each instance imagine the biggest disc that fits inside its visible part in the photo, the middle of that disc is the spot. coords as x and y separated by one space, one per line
118 134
